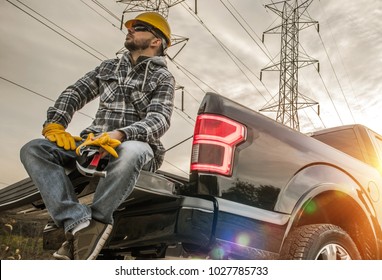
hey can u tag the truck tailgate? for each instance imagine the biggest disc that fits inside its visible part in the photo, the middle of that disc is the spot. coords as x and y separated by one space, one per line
153 214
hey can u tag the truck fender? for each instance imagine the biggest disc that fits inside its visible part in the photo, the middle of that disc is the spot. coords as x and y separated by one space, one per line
313 179
318 179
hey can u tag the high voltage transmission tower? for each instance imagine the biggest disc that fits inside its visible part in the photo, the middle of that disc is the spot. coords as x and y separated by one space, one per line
160 6
294 18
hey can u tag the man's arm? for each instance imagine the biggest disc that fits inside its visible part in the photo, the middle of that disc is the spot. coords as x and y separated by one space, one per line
73 98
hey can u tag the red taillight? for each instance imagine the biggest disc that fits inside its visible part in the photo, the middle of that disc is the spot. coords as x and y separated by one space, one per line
215 139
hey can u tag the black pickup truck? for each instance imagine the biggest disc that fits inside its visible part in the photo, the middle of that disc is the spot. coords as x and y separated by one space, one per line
257 190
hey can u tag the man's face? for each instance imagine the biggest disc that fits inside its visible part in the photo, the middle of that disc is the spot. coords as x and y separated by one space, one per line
139 37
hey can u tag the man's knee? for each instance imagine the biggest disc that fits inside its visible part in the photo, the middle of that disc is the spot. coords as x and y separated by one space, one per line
30 148
134 152
134 148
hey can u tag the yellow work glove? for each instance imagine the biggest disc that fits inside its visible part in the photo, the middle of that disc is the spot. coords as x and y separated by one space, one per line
104 141
55 132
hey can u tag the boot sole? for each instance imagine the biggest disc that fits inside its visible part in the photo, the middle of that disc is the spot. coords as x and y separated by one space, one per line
60 257
101 242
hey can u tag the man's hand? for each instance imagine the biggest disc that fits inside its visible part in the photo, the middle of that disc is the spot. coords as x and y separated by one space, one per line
114 135
55 132
104 141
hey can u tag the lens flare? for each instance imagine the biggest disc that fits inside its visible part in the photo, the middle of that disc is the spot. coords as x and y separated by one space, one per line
311 207
243 239
217 253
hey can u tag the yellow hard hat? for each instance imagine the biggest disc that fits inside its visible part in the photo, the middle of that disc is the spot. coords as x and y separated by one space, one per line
155 20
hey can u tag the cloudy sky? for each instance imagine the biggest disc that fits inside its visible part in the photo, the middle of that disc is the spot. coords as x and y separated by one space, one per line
46 45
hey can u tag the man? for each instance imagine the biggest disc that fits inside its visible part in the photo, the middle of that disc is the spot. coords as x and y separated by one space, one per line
136 101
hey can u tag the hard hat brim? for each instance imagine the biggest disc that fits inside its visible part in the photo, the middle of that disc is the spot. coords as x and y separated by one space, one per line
166 34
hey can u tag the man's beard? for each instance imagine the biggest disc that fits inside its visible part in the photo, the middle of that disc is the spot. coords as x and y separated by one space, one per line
135 45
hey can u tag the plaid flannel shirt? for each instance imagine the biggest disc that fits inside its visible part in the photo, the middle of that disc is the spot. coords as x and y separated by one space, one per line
137 100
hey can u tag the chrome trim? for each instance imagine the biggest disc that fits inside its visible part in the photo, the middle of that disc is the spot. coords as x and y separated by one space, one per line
252 212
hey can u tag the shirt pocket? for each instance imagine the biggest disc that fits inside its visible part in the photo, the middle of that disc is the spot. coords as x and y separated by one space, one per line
111 96
142 99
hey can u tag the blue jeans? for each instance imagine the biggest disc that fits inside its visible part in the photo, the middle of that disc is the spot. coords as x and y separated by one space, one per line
46 164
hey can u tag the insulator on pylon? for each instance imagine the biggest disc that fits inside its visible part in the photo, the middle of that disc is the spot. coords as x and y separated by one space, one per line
122 20
182 99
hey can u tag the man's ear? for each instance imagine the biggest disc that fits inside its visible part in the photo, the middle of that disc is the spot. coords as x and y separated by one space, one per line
156 42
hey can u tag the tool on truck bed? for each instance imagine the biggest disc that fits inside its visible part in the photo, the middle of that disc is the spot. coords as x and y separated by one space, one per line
90 163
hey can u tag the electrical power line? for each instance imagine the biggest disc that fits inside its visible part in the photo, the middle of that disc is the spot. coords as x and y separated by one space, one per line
105 9
183 117
336 76
340 56
38 94
221 44
181 142
176 167
249 34
187 73
54 30
90 7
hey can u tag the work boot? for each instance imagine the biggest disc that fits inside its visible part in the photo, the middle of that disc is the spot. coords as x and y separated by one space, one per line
89 241
65 252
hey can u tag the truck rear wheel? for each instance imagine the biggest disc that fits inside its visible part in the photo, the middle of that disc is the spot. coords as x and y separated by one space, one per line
319 242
